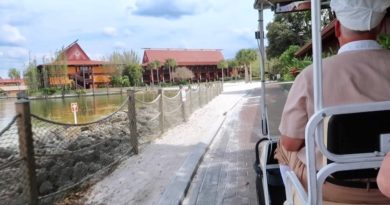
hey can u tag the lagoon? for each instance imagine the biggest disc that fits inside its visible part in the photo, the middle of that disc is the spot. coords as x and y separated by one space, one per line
90 108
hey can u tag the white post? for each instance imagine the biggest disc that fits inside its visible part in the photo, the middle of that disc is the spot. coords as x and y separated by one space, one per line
317 85
75 117
74 107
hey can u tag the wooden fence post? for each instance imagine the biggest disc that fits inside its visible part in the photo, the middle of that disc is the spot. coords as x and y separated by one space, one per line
26 147
190 97
183 101
212 91
216 88
132 115
207 92
200 95
161 108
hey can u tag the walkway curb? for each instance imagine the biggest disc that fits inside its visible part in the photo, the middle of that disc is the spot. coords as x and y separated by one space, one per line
180 183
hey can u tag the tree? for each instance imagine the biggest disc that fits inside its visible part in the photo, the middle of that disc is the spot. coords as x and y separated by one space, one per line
126 81
32 77
154 65
183 73
273 67
2 92
121 60
56 72
233 64
13 73
244 57
291 29
222 64
118 62
170 63
134 74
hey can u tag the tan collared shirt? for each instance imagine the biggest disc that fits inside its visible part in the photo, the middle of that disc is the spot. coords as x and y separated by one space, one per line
352 76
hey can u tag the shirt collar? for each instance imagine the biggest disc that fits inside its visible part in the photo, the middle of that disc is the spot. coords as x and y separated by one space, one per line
360 45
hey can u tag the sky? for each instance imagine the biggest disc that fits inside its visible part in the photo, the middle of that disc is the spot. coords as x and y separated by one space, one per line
36 29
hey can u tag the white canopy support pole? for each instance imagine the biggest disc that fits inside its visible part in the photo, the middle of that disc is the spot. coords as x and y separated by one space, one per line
318 100
260 39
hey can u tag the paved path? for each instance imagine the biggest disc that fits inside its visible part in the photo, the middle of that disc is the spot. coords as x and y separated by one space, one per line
226 175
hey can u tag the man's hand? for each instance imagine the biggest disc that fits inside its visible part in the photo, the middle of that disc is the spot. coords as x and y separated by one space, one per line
291 144
384 175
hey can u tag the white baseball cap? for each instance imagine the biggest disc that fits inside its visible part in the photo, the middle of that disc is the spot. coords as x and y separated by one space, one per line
360 15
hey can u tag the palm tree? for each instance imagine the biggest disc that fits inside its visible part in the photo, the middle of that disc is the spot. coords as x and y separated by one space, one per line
170 63
221 65
245 57
150 67
13 73
154 65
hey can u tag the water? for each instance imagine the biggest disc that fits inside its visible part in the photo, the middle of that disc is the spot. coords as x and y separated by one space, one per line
89 108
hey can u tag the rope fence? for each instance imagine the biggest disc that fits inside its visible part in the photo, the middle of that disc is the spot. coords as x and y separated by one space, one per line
12 169
42 161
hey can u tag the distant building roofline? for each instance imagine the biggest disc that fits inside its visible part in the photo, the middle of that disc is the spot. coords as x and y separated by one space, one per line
183 49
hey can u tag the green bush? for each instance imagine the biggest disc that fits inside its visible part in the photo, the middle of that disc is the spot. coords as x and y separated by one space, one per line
166 84
48 91
384 41
80 92
182 82
116 81
290 64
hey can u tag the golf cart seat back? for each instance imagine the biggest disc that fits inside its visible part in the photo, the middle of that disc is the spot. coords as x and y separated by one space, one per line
357 133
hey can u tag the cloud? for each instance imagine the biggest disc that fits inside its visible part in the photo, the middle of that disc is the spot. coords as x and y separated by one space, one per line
14 52
110 31
167 9
10 36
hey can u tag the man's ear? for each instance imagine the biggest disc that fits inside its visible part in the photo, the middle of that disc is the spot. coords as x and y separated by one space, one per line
337 28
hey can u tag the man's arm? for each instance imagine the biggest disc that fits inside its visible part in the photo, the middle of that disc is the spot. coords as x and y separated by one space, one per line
384 176
291 144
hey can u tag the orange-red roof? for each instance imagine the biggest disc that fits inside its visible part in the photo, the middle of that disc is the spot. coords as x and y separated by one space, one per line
75 55
184 56
11 81
75 52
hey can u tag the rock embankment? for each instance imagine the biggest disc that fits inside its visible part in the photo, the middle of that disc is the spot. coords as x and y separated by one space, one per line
67 155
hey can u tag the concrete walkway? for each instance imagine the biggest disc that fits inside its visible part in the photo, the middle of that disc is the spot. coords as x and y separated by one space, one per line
226 175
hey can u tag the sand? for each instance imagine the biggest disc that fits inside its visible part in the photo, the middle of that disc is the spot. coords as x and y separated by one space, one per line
142 179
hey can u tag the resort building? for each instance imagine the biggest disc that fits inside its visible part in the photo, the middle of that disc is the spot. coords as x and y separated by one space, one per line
202 62
74 67
12 86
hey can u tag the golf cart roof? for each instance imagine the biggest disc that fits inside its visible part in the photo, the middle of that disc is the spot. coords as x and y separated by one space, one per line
283 6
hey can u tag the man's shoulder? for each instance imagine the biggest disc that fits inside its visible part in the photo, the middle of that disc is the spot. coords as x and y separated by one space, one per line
348 58
351 56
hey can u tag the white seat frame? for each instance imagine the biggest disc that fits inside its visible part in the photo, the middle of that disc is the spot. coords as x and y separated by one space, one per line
340 162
